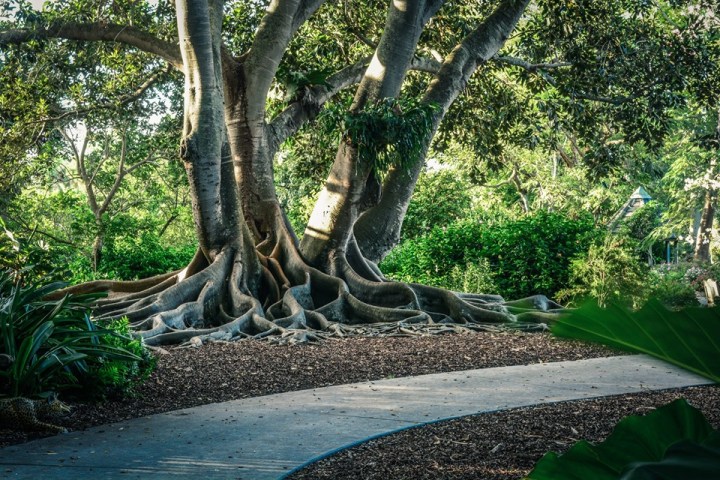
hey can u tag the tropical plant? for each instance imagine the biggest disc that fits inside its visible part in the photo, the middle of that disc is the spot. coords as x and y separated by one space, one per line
673 442
687 338
115 378
53 344
610 271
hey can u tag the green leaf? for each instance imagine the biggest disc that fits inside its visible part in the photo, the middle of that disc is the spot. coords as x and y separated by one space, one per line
55 360
635 440
684 460
688 338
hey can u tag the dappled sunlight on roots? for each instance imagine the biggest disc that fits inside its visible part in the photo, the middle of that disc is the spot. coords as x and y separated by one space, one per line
277 294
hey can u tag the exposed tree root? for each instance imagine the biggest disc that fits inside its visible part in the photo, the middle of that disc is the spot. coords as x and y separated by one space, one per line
294 302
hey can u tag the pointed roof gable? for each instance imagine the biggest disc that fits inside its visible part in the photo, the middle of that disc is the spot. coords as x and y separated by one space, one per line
642 194
638 198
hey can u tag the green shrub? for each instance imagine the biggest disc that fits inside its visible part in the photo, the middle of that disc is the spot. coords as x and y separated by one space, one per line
131 258
55 346
673 287
474 277
440 198
17 251
532 255
610 271
518 257
430 259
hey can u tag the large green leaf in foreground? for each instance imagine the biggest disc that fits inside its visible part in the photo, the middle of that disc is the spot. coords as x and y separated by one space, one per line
689 338
674 442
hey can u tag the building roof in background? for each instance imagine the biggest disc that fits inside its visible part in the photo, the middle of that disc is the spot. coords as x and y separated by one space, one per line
638 198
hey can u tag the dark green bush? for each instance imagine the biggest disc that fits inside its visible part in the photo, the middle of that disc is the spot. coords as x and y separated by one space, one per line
131 258
132 250
440 198
673 287
55 346
526 256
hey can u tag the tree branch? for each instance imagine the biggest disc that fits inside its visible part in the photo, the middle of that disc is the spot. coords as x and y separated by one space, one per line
304 11
35 229
425 64
378 229
282 20
477 48
354 30
81 168
113 104
530 67
118 176
104 32
540 70
105 156
431 8
312 99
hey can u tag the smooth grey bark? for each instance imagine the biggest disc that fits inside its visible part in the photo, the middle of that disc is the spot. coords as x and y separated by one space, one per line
204 148
330 227
377 231
252 141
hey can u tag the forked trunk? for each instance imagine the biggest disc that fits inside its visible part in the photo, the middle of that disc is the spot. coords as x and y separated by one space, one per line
330 228
262 283
378 230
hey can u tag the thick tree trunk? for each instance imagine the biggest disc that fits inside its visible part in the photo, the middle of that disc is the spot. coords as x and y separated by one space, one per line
705 229
330 227
252 145
97 249
378 230
252 162
204 148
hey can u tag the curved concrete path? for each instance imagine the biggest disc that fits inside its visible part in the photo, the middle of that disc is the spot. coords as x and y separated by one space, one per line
266 437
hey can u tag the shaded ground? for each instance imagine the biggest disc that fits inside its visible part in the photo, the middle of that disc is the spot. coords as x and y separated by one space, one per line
499 446
226 371
503 445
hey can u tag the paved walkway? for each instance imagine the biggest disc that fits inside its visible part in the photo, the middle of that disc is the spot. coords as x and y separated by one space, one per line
266 437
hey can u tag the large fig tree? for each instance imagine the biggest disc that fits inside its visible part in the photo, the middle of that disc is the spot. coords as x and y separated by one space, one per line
252 275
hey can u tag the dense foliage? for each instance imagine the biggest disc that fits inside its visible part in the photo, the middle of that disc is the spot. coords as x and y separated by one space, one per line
520 257
54 347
